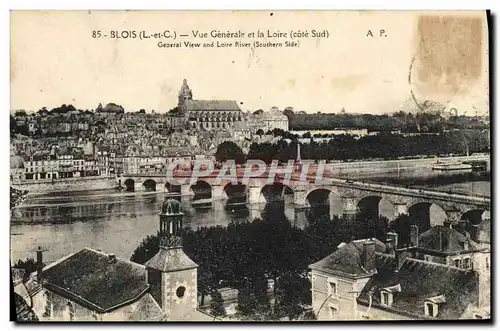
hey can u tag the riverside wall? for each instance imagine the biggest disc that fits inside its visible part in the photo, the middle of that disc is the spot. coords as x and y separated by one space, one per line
66 185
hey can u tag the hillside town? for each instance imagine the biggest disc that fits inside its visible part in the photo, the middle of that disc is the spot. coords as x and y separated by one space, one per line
110 142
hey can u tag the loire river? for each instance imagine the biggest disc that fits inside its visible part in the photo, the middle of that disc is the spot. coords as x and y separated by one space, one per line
114 222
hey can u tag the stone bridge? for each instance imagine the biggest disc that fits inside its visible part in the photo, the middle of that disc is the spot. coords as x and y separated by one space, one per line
352 196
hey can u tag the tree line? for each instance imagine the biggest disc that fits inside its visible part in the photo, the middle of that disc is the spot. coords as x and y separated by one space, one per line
406 122
347 147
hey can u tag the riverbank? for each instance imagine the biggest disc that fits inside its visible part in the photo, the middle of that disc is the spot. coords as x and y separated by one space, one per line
66 185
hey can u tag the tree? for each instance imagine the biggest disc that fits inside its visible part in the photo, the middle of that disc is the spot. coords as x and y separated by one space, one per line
99 108
142 111
217 305
29 266
260 132
247 304
258 112
21 112
288 112
228 150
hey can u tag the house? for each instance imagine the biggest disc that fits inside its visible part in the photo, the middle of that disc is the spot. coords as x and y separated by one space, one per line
372 280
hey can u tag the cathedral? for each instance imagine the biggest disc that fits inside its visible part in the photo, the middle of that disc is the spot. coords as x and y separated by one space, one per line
208 114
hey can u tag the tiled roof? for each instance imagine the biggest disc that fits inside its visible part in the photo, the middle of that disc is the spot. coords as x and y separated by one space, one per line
146 309
171 259
348 258
420 281
207 105
445 240
96 280
23 311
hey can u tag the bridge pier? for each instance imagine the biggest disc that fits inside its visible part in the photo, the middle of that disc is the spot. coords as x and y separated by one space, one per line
185 189
217 192
138 187
300 197
254 189
400 208
349 207
255 211
453 215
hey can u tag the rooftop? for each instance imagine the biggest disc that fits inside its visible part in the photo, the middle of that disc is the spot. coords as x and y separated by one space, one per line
417 281
347 258
96 280
171 259
211 105
445 240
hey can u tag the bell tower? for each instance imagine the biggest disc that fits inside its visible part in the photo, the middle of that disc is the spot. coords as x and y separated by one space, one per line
172 275
185 93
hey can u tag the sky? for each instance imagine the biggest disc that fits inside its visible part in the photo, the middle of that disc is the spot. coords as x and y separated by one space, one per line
55 60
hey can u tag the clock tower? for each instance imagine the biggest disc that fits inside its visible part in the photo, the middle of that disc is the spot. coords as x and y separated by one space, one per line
172 275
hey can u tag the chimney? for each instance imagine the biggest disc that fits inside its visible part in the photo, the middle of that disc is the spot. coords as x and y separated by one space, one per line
400 256
111 258
394 237
39 264
413 235
368 259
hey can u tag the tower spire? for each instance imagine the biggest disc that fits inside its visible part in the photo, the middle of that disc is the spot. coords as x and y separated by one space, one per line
171 224
185 92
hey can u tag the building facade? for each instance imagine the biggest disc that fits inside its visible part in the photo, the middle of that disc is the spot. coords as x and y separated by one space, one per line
441 275
208 114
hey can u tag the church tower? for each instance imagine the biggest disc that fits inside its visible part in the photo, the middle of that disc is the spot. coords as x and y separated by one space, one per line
172 275
185 93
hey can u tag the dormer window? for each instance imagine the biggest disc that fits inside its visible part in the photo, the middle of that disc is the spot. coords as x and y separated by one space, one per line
458 263
386 297
430 309
431 306
387 294
466 263
332 287
466 245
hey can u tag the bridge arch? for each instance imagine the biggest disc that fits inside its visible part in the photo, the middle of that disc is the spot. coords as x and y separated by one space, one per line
318 196
473 221
172 188
276 192
149 185
201 190
129 185
426 215
369 206
236 191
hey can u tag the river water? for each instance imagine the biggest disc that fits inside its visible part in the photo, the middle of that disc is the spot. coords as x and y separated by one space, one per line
117 222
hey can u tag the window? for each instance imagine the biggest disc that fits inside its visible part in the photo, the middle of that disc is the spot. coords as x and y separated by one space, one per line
466 263
70 311
180 292
385 298
48 304
431 309
458 263
332 287
428 258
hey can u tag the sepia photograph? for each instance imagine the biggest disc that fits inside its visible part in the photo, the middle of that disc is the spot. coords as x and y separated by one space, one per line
250 166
